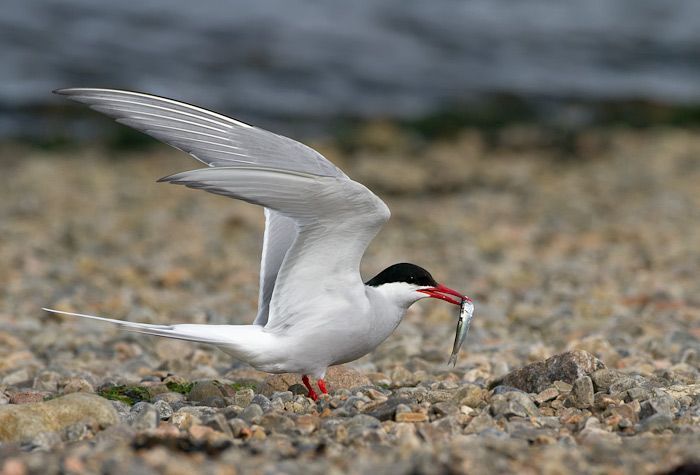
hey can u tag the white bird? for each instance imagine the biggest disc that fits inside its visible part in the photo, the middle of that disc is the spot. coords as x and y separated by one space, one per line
314 310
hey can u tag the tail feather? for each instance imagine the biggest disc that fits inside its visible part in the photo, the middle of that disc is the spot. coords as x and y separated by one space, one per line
196 333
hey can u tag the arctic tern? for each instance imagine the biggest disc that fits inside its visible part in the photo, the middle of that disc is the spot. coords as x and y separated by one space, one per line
314 310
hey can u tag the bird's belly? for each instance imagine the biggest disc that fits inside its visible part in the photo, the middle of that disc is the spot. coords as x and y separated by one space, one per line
338 342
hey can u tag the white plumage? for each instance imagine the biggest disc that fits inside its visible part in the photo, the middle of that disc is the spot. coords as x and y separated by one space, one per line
314 310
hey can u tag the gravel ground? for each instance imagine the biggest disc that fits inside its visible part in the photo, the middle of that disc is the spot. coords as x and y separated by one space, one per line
583 263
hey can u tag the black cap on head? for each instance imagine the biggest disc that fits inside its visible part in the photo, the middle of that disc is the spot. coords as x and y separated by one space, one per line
404 272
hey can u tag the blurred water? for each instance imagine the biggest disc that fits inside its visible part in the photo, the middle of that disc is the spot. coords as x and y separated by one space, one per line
314 60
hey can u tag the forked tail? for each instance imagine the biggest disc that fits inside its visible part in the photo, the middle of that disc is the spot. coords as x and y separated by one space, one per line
200 333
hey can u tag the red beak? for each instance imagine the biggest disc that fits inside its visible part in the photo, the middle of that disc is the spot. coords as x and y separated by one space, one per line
443 293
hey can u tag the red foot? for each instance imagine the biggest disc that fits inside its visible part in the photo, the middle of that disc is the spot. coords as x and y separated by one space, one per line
312 393
322 386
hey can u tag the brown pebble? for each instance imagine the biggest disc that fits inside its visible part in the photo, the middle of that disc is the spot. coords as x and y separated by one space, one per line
411 417
26 397
547 395
13 467
200 432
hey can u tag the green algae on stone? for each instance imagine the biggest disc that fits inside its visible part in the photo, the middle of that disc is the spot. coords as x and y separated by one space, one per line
182 388
127 394
245 384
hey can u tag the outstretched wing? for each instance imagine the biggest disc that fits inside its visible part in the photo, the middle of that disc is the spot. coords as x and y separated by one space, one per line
211 138
336 218
298 187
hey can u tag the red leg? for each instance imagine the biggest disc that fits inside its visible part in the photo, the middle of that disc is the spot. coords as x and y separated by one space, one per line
322 386
312 393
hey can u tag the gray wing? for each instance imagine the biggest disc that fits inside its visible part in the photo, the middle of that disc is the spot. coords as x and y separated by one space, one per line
336 218
211 138
280 233
217 141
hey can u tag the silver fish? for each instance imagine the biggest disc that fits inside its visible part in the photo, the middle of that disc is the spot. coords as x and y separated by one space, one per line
466 313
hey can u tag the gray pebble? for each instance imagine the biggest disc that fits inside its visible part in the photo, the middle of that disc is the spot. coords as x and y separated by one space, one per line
284 396
165 410
47 381
170 397
261 401
216 401
363 420
656 423
205 390
298 389
143 416
581 395
513 403
252 413
604 378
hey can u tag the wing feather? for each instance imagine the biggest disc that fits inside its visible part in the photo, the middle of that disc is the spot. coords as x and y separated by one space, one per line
230 139
316 217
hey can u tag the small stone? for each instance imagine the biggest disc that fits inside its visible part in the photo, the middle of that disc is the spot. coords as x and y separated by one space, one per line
563 387
622 384
659 404
471 395
278 423
219 423
480 423
411 417
537 377
16 378
215 401
77 385
165 410
376 395
204 390
592 433
155 388
239 427
298 389
44 441
261 401
200 432
601 400
637 394
243 397
144 416
547 395
386 410
258 433
13 466
24 422
170 397
440 395
184 420
307 424
656 423
252 413
166 430
76 432
513 403
604 378
581 395
363 420
26 397
47 381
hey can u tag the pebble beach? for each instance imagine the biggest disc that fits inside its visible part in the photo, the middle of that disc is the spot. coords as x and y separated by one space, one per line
583 356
